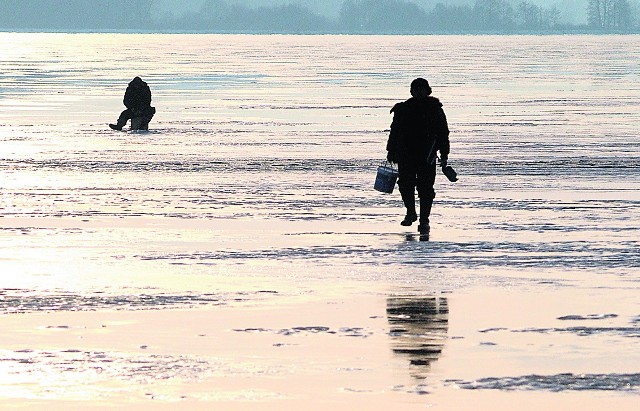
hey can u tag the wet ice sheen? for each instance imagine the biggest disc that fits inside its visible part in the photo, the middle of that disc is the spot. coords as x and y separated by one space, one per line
259 166
557 383
26 301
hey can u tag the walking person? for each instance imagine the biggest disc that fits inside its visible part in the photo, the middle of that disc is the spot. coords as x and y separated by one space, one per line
137 100
419 129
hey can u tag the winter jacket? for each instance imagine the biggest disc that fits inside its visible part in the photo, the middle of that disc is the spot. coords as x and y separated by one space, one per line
138 95
419 128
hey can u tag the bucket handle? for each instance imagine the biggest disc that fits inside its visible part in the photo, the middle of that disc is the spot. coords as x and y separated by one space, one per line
388 164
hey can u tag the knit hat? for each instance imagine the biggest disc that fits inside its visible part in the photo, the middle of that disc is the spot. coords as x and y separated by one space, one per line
421 84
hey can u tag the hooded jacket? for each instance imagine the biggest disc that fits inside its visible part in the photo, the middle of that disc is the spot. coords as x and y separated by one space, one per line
138 95
419 128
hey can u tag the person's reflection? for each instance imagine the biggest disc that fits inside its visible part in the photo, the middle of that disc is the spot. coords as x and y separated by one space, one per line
418 329
413 238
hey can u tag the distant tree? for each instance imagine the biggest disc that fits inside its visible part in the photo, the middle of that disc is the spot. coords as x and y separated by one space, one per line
552 17
451 18
215 10
494 15
387 16
635 14
529 16
222 17
288 18
596 13
622 15
73 15
609 14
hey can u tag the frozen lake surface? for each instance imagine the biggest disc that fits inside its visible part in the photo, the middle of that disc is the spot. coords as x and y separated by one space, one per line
254 185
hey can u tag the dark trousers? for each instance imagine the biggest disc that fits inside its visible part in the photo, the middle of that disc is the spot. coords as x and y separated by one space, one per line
128 114
418 176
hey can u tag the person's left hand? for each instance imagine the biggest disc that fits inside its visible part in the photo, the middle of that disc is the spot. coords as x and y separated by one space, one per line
443 162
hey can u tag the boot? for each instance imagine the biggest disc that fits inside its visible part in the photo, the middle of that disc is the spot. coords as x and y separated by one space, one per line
409 219
409 200
121 123
425 211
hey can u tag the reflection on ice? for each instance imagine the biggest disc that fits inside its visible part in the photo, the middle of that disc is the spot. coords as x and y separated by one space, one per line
418 329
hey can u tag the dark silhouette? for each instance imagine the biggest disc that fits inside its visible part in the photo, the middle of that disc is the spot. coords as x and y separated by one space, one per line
419 129
137 100
418 329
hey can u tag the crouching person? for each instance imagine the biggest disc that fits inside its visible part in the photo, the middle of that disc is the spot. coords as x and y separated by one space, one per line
137 100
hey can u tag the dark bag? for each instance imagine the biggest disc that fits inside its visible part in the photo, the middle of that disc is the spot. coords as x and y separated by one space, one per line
450 173
386 178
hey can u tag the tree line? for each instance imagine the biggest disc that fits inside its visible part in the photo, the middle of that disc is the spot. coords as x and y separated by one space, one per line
356 16
610 14
75 15
493 16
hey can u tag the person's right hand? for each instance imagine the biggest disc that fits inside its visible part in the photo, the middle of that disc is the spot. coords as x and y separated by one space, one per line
391 157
